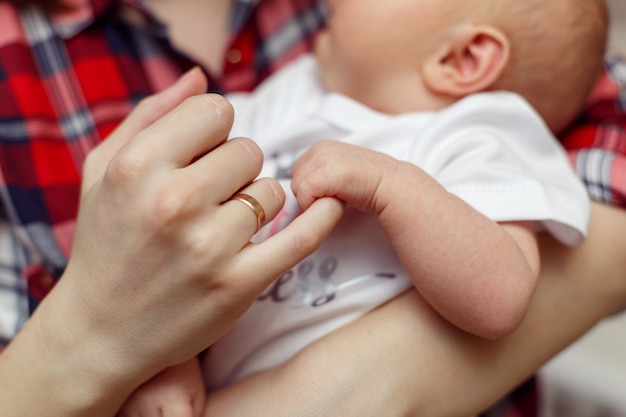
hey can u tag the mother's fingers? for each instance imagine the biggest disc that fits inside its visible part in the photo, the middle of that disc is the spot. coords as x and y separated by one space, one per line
201 188
161 153
150 109
191 129
226 169
241 220
267 260
147 112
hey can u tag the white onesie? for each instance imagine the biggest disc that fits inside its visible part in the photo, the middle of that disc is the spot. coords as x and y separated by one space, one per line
490 149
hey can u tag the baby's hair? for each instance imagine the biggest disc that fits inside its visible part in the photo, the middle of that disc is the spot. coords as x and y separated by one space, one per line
556 53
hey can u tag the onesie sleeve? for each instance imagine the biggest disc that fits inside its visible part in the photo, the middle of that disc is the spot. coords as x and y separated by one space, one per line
502 160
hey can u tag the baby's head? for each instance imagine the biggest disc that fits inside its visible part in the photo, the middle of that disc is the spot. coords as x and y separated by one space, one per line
410 55
555 54
550 52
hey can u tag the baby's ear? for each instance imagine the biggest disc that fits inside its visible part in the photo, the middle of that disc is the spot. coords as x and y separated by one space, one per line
472 61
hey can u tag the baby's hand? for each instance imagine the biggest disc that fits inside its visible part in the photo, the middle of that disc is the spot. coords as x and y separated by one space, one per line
176 392
359 176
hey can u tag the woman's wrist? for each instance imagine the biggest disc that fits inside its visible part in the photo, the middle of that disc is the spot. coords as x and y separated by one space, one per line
56 366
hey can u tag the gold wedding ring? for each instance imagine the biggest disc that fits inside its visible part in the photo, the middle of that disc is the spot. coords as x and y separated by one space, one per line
254 205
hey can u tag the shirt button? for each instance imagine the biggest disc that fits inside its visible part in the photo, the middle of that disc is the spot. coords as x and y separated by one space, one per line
47 281
233 56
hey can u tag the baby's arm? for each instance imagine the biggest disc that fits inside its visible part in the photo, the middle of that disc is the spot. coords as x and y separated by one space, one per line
178 391
476 273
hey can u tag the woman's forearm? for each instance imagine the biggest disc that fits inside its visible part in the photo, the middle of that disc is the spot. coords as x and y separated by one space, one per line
57 372
405 360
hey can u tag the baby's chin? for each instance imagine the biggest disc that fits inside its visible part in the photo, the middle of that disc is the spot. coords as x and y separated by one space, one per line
320 44
329 64
321 51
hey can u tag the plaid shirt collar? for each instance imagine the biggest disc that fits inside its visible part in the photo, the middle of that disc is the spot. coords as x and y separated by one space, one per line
68 24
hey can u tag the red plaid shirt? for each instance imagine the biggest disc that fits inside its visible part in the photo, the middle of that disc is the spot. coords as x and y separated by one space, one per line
66 81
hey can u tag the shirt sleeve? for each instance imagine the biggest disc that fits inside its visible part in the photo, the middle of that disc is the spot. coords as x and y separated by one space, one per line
13 298
596 143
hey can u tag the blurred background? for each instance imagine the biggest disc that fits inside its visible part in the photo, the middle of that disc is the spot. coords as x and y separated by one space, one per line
618 23
589 378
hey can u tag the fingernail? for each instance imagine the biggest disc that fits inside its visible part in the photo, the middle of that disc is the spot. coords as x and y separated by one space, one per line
188 73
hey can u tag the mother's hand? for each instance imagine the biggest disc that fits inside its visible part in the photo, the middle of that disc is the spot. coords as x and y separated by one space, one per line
161 264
